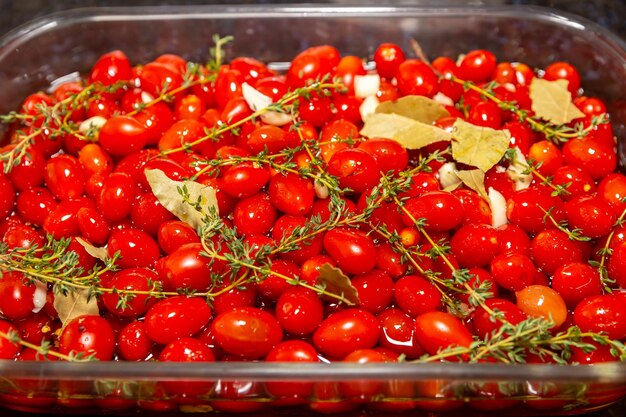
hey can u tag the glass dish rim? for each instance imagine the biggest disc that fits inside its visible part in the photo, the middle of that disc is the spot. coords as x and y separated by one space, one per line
38 25
605 373
609 373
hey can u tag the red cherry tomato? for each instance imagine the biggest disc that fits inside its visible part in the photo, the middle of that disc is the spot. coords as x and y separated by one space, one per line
122 135
176 317
88 335
352 250
299 311
134 279
345 331
441 211
437 330
111 68
247 332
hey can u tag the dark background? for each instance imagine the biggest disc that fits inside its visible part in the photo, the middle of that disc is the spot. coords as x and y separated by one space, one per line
608 13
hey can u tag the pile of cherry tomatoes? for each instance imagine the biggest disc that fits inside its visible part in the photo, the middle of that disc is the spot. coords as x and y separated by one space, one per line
74 164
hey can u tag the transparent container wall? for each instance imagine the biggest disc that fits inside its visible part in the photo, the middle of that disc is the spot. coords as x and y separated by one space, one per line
259 389
36 54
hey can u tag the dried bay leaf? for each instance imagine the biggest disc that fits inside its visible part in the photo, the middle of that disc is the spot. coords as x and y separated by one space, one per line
408 132
199 203
336 282
552 101
475 180
74 304
96 252
480 147
420 108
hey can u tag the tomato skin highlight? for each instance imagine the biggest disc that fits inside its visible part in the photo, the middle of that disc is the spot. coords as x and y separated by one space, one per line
437 330
246 332
354 252
89 335
122 135
175 317
342 332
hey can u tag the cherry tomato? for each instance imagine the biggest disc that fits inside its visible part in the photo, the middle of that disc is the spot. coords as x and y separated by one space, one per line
602 313
544 302
8 349
247 332
345 331
475 245
416 295
437 330
133 279
176 317
441 211
352 250
133 342
122 135
111 68
415 77
477 65
397 332
16 296
291 194
88 335
388 57
136 248
187 349
291 351
299 311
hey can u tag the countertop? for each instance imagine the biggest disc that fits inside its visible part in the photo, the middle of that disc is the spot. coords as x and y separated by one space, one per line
608 13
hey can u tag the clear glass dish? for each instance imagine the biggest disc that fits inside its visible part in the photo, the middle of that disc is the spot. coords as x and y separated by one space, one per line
44 50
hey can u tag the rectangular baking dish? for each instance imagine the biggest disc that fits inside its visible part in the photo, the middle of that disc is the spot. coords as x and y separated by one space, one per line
44 50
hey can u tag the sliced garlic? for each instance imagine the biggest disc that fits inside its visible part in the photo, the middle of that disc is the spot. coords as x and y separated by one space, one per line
443 99
447 175
518 171
366 85
321 191
95 122
368 107
258 101
255 99
275 118
498 208
39 296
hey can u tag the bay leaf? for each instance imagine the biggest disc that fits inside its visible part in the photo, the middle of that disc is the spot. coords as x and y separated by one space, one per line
168 192
552 101
420 108
452 187
74 304
475 180
96 252
480 147
336 282
408 132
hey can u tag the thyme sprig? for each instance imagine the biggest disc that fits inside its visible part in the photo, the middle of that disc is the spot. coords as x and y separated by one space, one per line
51 122
556 134
285 105
572 234
512 343
45 348
605 251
